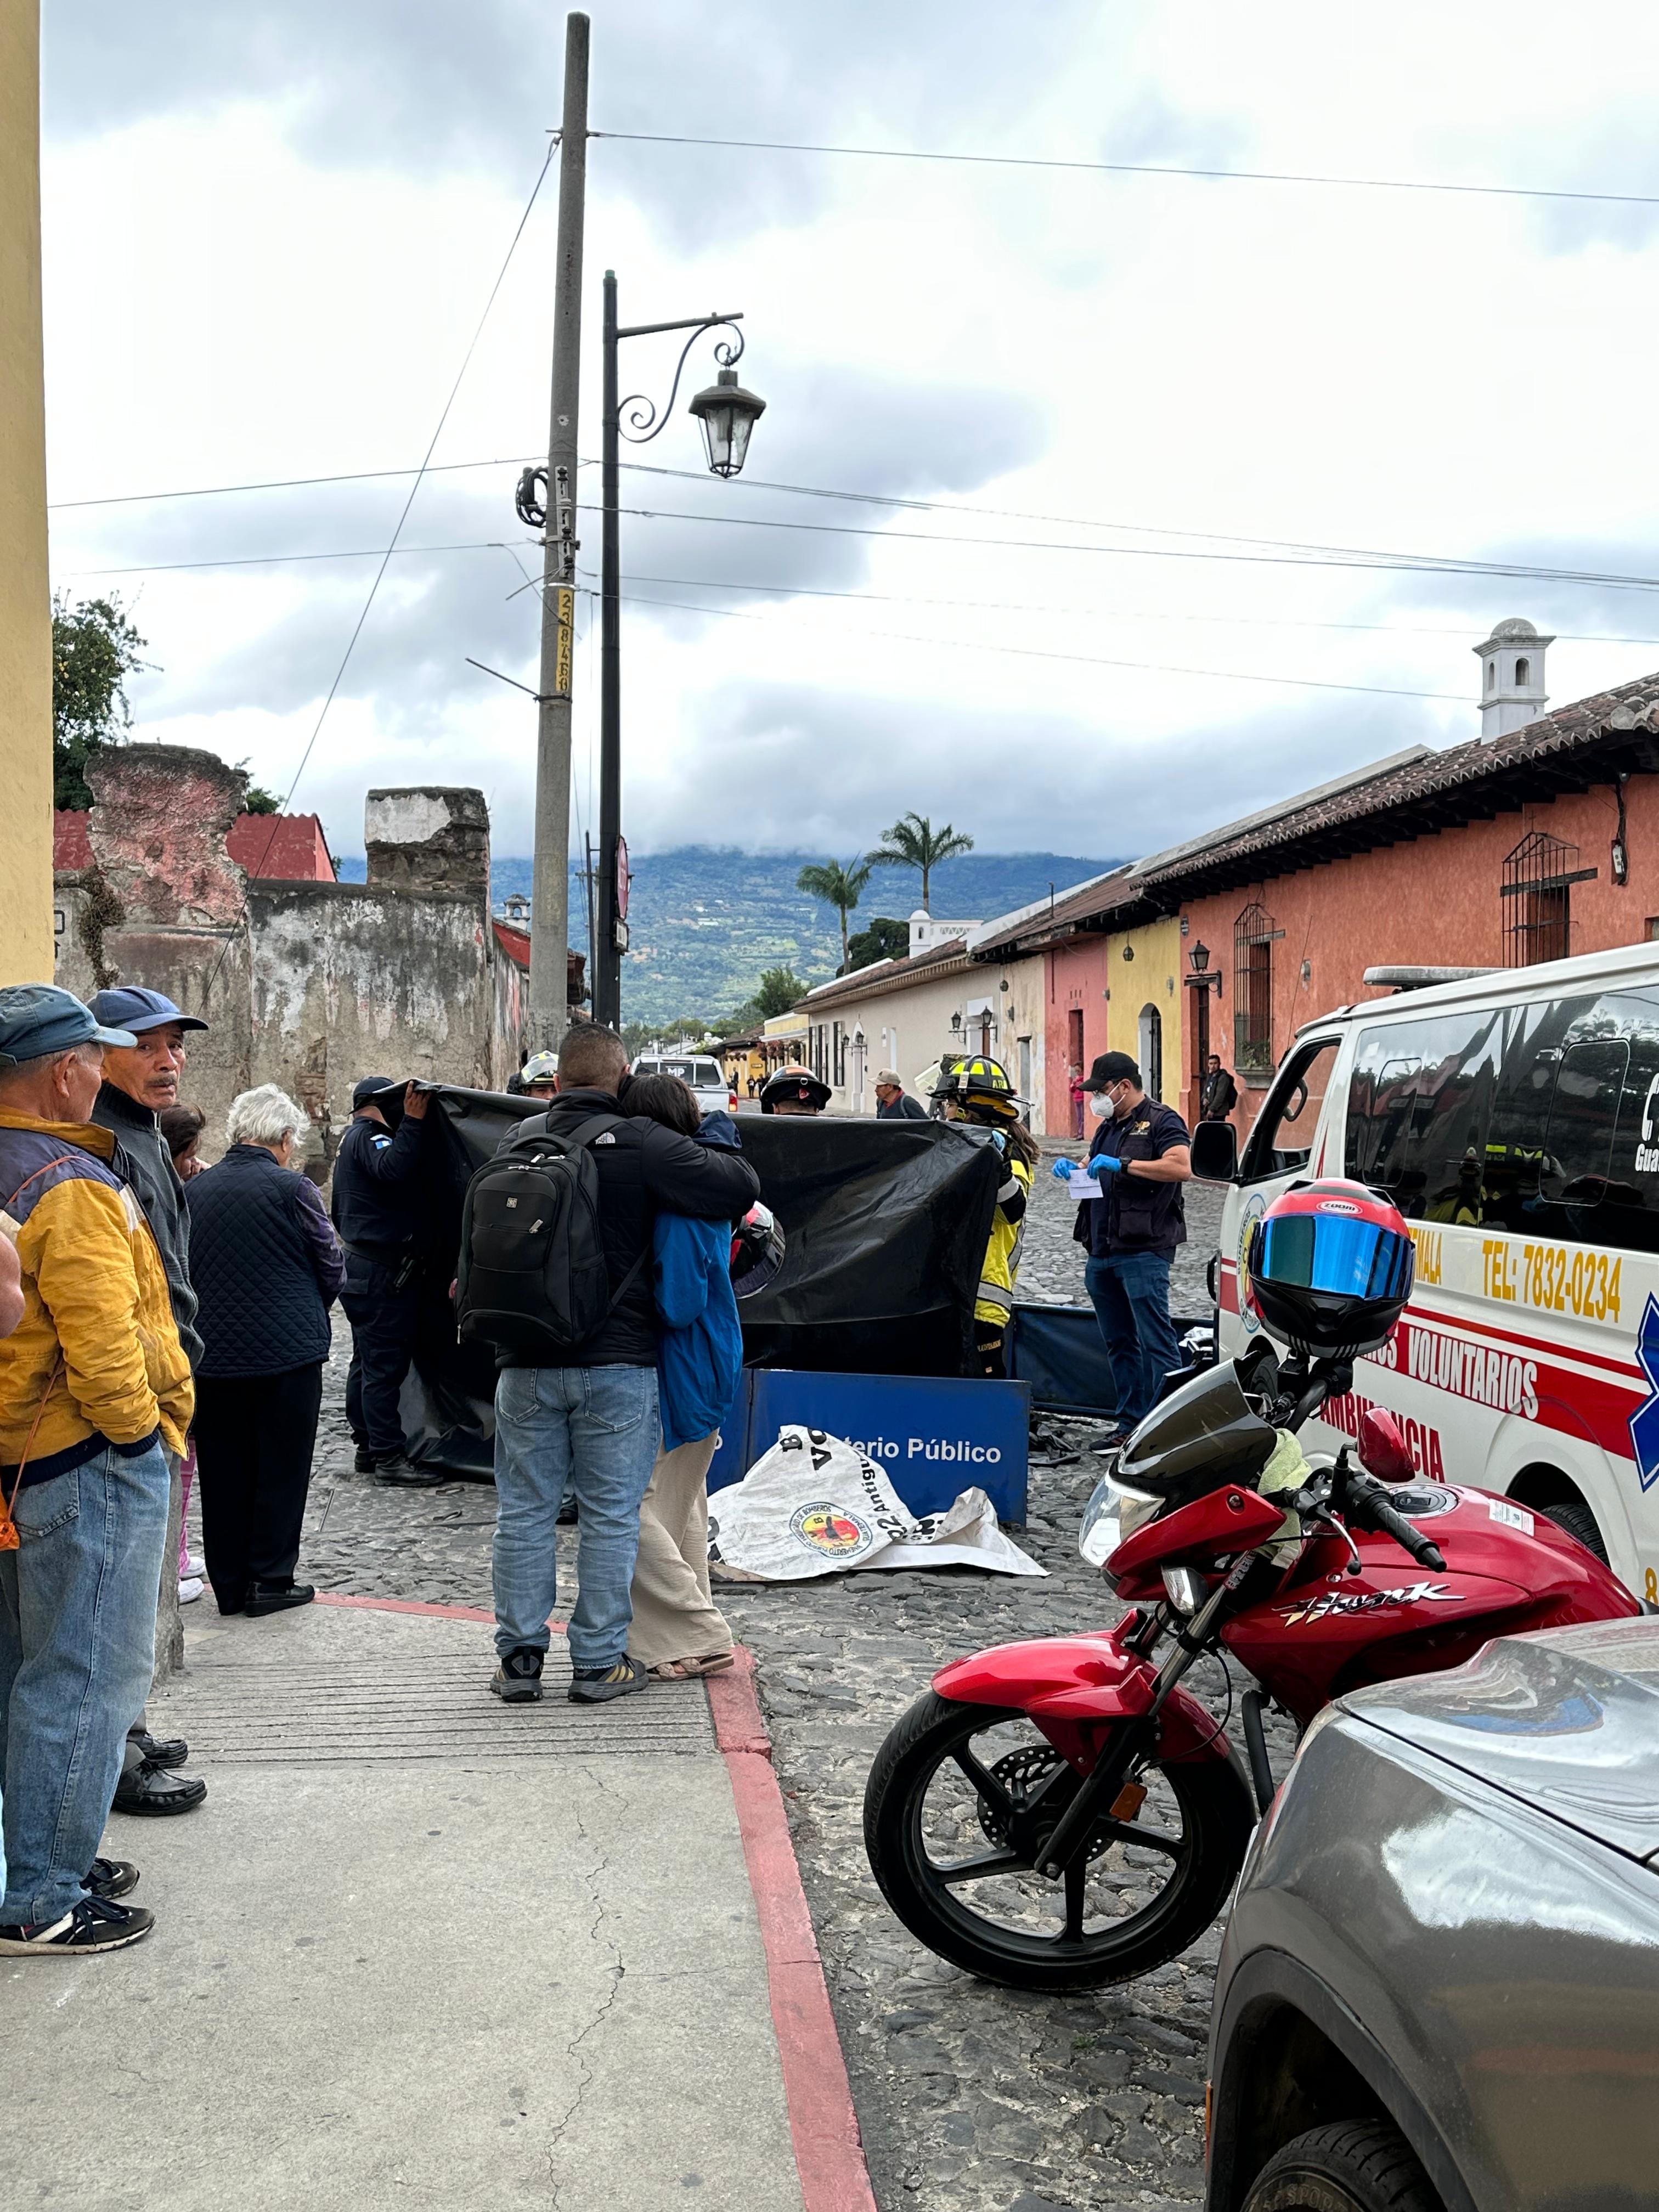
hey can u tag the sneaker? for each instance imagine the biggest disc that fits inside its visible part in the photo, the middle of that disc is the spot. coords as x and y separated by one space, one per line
111 1878
190 1589
93 1924
362 1460
276 1597
518 1680
597 1685
406 1476
192 1566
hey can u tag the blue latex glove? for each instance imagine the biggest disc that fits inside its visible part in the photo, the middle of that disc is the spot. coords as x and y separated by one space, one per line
1063 1171
1103 1164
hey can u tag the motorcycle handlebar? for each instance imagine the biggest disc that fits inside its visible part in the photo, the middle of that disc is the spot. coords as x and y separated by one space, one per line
1410 1538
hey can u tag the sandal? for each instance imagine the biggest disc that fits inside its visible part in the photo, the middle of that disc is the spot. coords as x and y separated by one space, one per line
692 1670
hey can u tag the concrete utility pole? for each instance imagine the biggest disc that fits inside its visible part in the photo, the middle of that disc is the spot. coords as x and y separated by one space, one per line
551 906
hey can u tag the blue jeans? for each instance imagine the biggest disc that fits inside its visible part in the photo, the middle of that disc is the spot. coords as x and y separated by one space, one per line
1130 1293
593 1429
77 1648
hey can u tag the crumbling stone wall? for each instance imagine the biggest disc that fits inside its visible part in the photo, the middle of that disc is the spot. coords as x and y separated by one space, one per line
433 837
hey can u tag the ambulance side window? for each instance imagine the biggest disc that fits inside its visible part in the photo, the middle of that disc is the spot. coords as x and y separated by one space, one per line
1420 1099
1282 1139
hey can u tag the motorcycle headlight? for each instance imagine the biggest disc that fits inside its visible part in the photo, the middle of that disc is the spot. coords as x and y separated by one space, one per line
1185 1589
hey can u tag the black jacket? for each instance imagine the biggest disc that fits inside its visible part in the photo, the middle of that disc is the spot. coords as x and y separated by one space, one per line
383 1187
266 1265
644 1169
1136 1214
904 1109
155 1184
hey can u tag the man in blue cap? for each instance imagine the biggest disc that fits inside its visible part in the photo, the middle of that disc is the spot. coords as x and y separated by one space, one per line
94 1391
139 1080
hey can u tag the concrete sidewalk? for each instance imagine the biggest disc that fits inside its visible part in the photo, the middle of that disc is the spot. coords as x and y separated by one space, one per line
415 1948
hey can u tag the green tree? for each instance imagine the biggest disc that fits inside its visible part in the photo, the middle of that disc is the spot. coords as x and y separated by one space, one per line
838 887
94 648
778 990
913 842
884 939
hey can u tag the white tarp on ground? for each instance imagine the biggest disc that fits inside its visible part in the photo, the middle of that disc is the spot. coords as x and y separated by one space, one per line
813 1506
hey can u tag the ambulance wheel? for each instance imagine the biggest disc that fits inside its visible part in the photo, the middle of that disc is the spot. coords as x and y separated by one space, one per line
1576 1517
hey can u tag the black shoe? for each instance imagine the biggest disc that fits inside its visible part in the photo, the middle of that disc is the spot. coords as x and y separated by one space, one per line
276 1597
597 1685
92 1925
406 1476
173 1752
518 1680
362 1461
1115 1442
229 1601
146 1789
111 1878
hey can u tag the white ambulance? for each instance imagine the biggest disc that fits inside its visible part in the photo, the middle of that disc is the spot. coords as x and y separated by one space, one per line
1513 1117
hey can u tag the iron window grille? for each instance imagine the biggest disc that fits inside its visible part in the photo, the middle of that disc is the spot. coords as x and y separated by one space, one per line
1537 891
1253 936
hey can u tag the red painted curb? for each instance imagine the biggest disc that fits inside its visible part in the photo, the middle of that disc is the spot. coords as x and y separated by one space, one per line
408 1605
822 2123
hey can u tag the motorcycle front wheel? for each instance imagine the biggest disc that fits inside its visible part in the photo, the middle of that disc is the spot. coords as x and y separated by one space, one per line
950 1783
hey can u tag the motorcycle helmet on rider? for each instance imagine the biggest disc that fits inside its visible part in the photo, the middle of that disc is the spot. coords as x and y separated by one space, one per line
1329 1268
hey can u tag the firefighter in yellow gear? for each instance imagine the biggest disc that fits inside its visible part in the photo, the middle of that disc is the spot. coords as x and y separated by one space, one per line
978 1090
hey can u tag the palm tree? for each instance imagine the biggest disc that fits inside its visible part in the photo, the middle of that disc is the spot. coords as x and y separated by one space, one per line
913 842
837 887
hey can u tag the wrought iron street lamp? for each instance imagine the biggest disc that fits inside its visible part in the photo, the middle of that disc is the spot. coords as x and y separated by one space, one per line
728 414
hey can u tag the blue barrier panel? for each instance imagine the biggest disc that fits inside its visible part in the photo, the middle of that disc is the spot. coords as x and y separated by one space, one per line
932 1437
1060 1351
730 1462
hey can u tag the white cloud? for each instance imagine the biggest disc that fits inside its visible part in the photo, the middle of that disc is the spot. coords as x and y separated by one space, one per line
270 234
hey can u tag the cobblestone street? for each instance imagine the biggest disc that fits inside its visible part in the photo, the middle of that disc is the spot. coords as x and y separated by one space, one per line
971 2099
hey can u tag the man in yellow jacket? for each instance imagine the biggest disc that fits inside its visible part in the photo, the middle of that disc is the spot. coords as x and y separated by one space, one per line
93 1383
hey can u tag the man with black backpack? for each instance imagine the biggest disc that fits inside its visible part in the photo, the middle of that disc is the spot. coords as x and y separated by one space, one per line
556 1273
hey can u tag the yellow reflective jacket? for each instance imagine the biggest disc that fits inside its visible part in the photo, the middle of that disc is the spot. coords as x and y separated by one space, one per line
1001 1271
97 1353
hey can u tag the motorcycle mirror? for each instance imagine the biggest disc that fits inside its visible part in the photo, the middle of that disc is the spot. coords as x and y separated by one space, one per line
1382 1448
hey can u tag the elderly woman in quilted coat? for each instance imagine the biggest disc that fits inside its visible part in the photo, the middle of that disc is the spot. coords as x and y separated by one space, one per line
266 1265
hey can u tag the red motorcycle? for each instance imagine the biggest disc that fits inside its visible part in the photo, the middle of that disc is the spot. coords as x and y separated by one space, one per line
1064 1813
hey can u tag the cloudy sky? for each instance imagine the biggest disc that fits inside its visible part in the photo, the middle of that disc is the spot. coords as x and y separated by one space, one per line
1124 402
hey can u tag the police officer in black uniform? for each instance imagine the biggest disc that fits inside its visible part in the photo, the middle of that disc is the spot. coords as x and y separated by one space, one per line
1140 1153
380 1208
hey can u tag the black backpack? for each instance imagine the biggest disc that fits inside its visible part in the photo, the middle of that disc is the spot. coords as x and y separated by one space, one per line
531 1279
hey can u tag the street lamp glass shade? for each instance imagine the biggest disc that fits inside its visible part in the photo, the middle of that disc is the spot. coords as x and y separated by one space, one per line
1199 957
728 414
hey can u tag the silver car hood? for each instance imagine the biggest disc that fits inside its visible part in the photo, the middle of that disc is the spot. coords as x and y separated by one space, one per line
1567 1719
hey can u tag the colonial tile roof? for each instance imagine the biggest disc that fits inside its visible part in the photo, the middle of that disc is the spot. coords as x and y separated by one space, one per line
1580 745
883 975
515 943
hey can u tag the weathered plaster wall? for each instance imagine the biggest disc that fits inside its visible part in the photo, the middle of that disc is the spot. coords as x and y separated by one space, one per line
26 904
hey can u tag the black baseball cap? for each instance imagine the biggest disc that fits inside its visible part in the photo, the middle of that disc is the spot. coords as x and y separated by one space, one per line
369 1088
1111 1067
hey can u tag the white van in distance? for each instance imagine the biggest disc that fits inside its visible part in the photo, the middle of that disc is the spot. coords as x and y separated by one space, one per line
1513 1117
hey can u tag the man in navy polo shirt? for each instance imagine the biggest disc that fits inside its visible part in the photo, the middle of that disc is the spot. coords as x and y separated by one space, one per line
1140 1154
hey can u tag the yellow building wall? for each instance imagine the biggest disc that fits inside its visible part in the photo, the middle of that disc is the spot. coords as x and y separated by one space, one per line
1150 976
25 899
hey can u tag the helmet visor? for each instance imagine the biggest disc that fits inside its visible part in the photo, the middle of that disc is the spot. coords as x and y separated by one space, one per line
1323 1252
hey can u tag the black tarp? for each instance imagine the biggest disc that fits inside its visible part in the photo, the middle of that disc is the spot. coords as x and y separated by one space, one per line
886 1224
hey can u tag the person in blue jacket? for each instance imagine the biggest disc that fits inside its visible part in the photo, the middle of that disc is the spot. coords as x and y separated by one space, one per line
678 1633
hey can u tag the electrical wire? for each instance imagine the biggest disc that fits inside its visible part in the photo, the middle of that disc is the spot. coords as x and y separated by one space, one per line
1141 169
374 589
279 483
276 560
1086 659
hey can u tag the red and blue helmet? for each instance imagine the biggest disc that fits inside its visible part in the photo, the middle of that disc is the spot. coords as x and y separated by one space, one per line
1329 1267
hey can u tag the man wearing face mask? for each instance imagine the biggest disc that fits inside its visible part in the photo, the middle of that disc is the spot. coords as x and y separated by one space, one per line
1141 1155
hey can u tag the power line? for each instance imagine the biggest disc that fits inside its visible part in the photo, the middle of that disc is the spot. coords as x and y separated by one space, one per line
280 484
1411 564
271 560
1097 614
1139 169
1085 659
351 642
